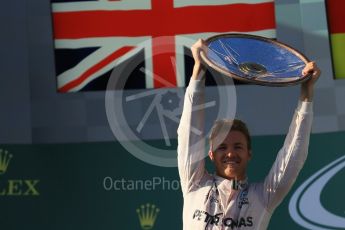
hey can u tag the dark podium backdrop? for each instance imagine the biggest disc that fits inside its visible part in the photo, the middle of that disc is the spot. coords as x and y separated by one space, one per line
101 186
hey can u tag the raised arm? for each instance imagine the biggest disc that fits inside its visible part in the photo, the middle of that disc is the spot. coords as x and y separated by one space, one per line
292 156
191 137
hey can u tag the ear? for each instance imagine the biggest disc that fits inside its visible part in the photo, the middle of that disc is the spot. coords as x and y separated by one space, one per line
250 154
210 154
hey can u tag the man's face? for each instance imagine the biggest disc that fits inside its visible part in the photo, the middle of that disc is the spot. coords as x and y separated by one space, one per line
231 156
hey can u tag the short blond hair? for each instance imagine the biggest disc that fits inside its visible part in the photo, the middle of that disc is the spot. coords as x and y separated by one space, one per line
222 127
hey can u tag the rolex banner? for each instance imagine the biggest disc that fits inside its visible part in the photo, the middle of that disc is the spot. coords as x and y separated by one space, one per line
102 186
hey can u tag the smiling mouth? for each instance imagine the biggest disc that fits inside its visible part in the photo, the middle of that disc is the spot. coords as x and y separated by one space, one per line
231 162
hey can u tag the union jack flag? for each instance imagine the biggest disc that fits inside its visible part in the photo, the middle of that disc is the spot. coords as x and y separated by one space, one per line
93 37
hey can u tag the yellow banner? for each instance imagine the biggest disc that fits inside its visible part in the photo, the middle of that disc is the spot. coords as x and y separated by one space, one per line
338 53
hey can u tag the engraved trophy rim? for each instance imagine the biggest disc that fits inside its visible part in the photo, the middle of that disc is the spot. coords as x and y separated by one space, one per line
253 72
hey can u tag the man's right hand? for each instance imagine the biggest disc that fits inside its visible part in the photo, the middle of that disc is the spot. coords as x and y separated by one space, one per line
198 69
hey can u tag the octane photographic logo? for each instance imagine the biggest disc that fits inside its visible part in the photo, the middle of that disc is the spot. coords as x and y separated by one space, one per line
305 206
138 116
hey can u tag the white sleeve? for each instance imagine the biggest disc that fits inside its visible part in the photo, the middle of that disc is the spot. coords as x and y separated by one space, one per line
290 158
191 140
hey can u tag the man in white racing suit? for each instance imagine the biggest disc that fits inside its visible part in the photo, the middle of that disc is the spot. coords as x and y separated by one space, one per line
225 200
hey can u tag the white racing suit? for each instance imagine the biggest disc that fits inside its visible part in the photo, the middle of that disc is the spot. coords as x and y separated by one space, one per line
209 200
